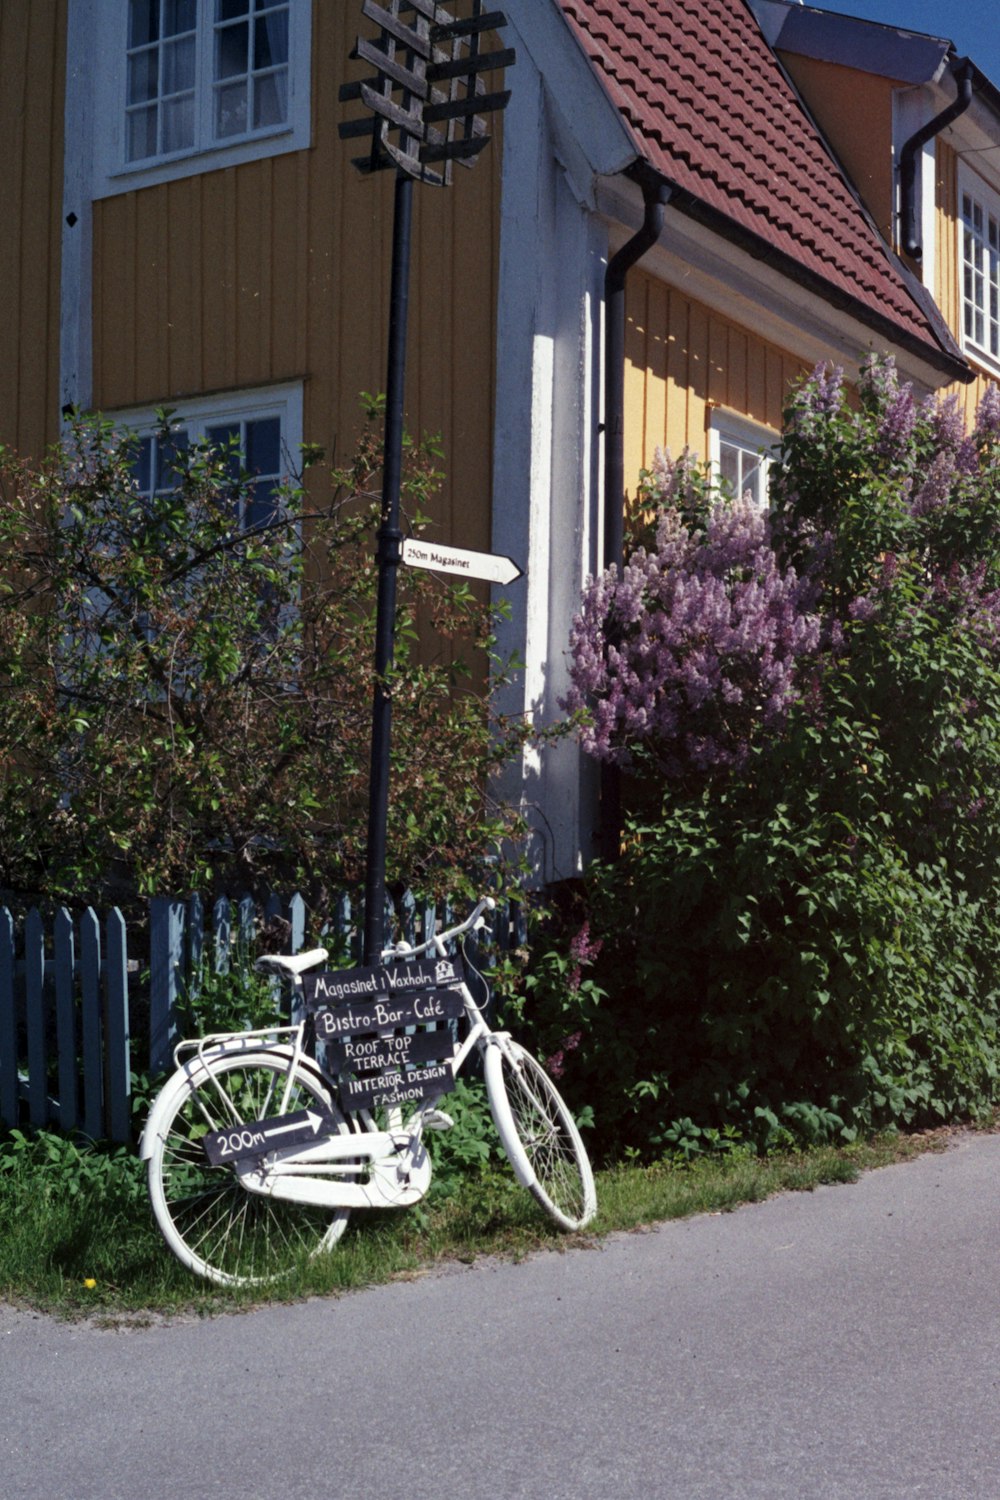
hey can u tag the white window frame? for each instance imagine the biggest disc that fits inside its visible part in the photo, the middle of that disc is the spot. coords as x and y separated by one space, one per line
196 416
982 343
751 438
107 76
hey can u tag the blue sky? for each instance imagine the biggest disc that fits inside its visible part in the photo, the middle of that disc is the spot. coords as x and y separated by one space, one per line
973 25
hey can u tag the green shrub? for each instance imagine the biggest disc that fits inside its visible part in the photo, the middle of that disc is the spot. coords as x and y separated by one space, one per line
803 942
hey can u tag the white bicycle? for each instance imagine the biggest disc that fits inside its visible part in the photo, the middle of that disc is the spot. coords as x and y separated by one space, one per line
254 1162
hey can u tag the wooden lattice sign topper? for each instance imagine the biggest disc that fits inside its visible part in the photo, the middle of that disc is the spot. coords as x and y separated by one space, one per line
429 97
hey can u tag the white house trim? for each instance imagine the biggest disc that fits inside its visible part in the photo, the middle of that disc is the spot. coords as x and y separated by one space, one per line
542 35
76 272
545 485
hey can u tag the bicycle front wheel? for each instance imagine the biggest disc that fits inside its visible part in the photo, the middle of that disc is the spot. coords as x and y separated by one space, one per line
539 1135
218 1228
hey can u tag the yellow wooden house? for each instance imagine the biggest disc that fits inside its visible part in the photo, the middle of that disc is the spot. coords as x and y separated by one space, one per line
692 203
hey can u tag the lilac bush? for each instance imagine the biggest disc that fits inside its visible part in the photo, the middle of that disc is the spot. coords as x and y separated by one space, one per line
801 937
692 649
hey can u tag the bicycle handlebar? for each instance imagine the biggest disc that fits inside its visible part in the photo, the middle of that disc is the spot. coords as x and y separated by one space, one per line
486 903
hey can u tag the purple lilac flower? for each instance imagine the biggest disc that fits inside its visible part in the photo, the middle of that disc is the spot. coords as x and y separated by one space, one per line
879 382
692 649
935 490
898 419
944 417
988 414
817 398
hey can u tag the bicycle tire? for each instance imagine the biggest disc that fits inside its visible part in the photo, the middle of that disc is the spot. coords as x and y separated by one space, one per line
212 1223
539 1135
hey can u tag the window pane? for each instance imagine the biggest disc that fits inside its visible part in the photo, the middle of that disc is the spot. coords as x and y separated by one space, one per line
227 439
142 133
270 100
231 110
270 40
178 16
142 468
143 22
261 507
143 82
264 446
178 66
743 469
170 451
228 10
752 482
231 49
178 123
729 466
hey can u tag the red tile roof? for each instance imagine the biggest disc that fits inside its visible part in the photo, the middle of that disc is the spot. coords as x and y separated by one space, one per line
713 113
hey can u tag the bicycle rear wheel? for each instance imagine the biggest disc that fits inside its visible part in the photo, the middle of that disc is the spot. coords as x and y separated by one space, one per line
213 1224
539 1135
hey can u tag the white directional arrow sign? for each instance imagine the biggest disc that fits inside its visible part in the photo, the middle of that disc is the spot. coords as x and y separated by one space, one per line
312 1122
487 565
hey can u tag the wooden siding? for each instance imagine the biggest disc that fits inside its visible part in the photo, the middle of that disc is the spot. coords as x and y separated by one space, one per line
278 270
947 258
854 111
32 88
682 360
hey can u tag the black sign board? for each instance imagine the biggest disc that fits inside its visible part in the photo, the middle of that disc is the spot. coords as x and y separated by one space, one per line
256 1138
354 986
388 1014
384 1090
386 1054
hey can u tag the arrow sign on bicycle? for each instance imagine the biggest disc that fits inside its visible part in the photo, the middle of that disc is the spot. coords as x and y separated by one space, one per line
490 566
257 1137
313 1122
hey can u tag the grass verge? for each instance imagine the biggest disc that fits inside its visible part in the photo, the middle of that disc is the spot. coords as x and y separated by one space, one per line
77 1238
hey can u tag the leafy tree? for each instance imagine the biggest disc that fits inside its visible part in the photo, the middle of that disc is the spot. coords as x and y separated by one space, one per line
187 686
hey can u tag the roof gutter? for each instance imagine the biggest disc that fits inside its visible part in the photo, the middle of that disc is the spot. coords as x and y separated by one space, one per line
656 195
912 239
947 358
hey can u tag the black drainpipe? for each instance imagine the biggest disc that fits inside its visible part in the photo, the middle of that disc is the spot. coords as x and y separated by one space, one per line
656 195
961 69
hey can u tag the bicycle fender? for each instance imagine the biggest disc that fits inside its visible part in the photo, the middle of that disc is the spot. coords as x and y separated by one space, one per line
196 1070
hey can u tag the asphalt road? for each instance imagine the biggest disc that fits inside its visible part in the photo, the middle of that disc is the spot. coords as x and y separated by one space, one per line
840 1345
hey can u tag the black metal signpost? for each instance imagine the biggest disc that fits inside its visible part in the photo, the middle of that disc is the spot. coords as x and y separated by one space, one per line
424 111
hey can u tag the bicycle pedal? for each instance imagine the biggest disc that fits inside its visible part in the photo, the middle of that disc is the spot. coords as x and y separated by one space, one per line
436 1119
